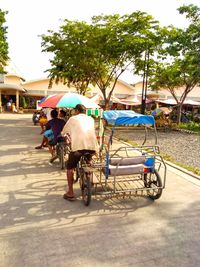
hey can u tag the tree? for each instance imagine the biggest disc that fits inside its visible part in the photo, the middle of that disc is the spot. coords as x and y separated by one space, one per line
3 42
97 53
24 102
73 61
122 42
182 51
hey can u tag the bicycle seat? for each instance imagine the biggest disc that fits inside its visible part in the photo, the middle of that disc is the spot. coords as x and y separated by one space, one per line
88 155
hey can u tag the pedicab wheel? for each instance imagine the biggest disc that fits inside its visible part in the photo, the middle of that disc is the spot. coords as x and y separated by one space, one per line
86 188
153 180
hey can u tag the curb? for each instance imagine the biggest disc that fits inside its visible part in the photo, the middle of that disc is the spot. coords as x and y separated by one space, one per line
185 131
182 170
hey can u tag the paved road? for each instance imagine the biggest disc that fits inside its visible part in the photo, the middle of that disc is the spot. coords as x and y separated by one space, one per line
38 228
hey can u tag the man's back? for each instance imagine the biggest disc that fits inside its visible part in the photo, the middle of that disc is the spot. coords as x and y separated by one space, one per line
82 132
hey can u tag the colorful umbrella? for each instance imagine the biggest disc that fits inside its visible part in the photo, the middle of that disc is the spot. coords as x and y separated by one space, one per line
157 112
161 110
68 100
43 99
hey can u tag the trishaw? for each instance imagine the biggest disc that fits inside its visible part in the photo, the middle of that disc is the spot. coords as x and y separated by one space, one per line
124 169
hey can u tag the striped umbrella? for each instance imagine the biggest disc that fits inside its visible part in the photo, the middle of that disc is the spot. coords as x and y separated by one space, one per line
43 99
68 100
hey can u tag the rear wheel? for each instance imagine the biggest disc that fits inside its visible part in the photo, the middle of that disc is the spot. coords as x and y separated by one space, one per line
85 184
61 157
77 173
153 180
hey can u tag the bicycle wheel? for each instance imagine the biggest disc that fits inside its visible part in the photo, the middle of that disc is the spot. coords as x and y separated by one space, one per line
85 183
153 180
77 173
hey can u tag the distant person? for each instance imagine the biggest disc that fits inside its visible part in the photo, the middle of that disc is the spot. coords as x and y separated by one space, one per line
8 105
35 117
42 120
13 107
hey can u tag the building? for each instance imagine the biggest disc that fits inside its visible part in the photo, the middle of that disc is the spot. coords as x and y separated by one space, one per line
40 88
165 94
14 87
11 86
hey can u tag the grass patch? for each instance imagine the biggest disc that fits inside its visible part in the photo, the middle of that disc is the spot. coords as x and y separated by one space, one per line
192 126
168 157
185 166
189 168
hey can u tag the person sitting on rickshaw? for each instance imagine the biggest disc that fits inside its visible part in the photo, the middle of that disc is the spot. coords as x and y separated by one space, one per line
81 129
55 125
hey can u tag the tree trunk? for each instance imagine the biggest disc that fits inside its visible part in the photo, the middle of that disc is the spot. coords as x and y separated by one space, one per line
179 110
106 104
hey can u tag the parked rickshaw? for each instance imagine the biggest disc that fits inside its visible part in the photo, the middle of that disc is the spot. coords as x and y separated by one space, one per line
124 169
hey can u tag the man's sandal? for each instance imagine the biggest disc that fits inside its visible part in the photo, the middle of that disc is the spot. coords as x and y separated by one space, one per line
70 198
38 147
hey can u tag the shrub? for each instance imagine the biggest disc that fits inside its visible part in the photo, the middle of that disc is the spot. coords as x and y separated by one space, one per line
192 126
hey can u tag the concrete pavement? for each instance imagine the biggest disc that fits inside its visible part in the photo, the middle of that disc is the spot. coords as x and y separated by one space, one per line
39 228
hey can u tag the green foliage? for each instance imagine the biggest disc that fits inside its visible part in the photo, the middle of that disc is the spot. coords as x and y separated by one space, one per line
192 126
72 62
98 53
23 102
180 54
3 42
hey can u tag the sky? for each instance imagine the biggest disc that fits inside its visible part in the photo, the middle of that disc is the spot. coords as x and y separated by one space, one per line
28 19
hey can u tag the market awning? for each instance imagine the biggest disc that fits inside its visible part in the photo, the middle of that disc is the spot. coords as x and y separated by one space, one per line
8 88
173 102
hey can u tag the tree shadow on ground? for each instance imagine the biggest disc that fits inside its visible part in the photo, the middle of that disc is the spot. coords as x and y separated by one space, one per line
42 200
40 228
110 232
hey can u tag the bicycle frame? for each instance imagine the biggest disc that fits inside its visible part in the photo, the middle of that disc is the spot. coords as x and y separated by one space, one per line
62 149
85 176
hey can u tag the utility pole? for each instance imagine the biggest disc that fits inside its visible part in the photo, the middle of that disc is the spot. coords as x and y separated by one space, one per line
145 82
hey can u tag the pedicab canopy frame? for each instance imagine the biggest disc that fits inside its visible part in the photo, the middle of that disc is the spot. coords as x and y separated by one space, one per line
129 117
124 117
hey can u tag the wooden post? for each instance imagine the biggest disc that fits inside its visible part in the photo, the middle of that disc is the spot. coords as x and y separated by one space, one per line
1 108
17 100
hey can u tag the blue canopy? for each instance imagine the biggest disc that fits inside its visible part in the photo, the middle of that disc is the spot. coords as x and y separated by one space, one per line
123 117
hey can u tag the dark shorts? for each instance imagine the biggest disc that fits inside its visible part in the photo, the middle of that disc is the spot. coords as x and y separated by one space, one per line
75 156
52 142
